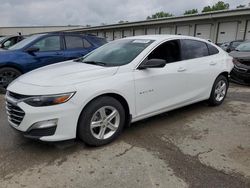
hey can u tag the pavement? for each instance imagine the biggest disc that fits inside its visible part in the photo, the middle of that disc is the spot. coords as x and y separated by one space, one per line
195 146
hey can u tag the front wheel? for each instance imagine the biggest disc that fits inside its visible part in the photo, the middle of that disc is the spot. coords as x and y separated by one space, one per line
219 91
7 75
101 121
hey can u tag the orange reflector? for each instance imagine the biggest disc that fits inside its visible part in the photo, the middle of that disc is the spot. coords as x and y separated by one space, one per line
62 99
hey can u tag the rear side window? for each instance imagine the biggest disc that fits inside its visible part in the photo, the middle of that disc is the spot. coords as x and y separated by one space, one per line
73 42
192 49
86 43
212 50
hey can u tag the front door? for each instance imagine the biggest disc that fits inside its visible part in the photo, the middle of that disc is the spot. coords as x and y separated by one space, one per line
161 88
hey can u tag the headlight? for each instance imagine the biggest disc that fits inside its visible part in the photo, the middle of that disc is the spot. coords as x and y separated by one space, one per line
48 100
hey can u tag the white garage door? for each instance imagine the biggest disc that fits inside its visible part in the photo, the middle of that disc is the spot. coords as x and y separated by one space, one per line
117 35
183 30
109 35
166 30
139 32
227 32
248 31
101 34
127 33
151 31
203 31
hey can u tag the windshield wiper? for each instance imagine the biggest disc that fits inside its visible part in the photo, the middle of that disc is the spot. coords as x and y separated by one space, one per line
95 63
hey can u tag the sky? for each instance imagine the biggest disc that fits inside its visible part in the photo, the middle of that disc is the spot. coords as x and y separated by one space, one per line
93 12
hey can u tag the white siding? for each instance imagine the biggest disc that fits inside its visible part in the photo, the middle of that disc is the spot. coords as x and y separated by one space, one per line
203 31
183 30
227 32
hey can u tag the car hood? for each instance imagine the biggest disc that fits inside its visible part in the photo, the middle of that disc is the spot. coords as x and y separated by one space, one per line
243 58
240 55
66 73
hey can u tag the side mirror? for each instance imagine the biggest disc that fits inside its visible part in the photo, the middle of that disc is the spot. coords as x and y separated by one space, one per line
32 50
1 46
153 63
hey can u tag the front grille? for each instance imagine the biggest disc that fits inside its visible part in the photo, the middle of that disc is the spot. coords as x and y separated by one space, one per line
15 113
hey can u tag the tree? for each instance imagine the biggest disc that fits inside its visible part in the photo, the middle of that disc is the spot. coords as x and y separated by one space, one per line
241 6
159 15
192 11
218 6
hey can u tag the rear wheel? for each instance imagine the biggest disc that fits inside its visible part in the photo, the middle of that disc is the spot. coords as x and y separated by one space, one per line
7 75
219 91
101 121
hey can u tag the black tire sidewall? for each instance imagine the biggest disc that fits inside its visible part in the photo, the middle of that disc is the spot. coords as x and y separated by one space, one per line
83 130
212 100
9 69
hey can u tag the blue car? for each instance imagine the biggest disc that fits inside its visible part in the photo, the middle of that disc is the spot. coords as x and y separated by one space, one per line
41 50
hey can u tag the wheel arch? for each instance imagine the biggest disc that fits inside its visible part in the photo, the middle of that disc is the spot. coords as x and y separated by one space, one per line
11 65
119 98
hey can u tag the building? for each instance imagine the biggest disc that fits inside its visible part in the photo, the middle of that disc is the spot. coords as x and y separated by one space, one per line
219 26
5 31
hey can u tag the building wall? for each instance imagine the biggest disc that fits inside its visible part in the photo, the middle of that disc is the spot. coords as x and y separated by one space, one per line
222 26
32 30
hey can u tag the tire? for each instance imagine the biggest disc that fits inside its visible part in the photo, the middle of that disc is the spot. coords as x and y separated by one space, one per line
219 91
92 122
7 75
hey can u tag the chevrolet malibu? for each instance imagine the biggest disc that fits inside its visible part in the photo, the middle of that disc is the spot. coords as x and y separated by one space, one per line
95 97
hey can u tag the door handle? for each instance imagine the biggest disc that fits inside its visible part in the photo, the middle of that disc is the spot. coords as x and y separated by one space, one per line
181 69
213 63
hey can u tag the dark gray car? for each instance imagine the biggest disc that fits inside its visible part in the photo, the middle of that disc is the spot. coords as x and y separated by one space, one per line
241 70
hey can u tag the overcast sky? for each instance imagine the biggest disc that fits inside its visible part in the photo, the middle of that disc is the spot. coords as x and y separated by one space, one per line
92 12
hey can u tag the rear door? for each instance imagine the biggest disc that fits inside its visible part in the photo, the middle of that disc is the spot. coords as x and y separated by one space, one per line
201 68
75 47
50 51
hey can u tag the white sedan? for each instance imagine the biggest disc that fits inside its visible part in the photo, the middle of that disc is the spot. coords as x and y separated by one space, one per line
124 81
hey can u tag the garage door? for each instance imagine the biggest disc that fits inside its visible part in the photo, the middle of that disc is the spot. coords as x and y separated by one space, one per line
227 32
101 34
117 35
109 35
248 31
166 30
203 31
127 33
151 31
183 30
139 32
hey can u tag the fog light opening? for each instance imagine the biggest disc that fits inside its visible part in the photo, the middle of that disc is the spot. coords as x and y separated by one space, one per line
44 124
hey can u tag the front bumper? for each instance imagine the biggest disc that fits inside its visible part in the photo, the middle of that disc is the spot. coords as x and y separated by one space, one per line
240 76
66 115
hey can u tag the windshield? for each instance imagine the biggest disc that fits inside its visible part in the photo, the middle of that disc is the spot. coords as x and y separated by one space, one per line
245 47
118 53
24 42
235 44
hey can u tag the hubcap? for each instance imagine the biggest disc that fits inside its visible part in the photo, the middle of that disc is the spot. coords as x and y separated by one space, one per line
220 90
105 122
7 77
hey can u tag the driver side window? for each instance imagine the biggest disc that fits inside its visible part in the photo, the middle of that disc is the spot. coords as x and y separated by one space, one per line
48 44
169 51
